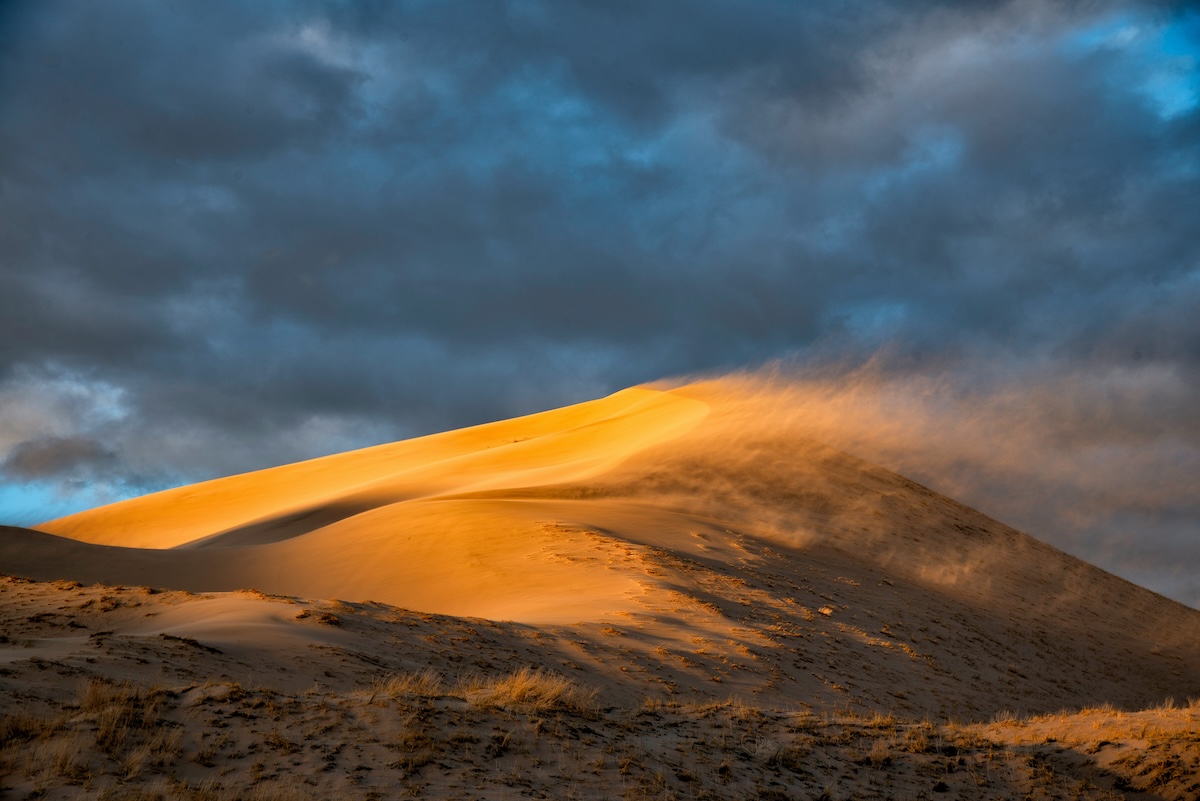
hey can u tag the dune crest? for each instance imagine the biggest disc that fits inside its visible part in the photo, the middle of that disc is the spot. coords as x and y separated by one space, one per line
558 445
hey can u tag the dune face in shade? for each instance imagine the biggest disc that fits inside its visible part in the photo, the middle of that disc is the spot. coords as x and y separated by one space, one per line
705 514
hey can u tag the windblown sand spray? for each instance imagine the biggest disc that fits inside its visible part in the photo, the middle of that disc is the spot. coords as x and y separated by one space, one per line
737 470
1078 459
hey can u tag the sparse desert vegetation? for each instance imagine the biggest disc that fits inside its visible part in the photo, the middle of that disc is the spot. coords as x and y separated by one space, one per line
140 716
528 734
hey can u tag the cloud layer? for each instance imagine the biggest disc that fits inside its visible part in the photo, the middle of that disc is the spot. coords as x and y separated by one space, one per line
240 234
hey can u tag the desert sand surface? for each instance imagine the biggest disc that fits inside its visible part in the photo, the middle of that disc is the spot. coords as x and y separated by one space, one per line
666 593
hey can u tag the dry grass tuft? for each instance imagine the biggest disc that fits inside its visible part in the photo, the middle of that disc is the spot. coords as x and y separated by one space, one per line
19 725
122 713
425 684
1006 717
63 758
159 749
917 740
652 705
880 755
1167 705
533 691
129 725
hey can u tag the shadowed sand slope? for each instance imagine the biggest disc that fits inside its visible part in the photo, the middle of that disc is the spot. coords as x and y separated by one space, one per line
690 541
129 693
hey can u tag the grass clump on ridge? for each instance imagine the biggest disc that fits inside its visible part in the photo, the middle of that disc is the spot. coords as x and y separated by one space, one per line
530 690
425 683
526 689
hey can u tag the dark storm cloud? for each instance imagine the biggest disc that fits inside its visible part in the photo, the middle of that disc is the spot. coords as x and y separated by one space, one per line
238 234
54 456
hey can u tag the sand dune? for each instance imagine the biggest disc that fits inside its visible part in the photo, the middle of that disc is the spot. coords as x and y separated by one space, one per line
590 588
552 447
728 549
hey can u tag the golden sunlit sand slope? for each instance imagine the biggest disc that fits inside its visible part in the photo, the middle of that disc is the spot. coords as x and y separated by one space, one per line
692 540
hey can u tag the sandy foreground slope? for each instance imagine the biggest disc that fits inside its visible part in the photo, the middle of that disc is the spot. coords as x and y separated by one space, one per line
703 583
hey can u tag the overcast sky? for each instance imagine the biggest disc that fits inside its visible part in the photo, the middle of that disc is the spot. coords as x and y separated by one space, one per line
238 234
